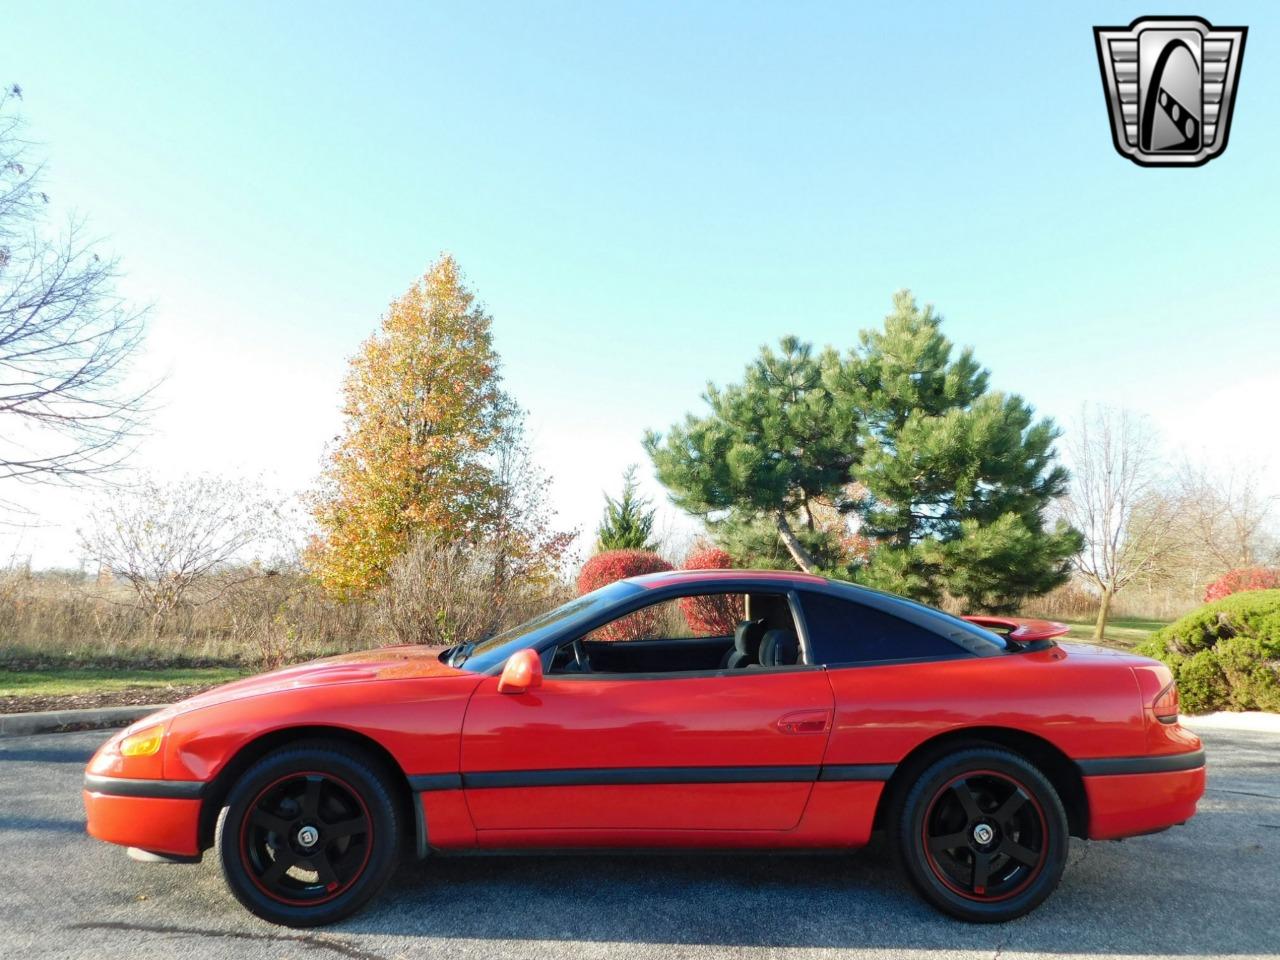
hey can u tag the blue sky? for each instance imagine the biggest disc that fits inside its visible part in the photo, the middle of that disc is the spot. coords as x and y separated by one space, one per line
642 195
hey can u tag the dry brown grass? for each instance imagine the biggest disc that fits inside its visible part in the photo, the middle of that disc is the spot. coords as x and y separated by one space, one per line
1136 602
69 619
441 594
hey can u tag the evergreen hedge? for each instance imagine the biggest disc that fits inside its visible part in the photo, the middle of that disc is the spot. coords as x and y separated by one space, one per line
1225 655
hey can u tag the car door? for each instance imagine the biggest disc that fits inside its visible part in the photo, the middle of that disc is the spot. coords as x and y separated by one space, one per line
693 751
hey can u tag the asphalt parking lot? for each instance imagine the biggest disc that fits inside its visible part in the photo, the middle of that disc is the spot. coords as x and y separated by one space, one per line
1211 888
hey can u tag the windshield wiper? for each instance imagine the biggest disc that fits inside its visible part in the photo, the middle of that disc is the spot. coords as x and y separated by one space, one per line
457 656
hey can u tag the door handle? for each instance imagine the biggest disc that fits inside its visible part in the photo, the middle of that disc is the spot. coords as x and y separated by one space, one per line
805 721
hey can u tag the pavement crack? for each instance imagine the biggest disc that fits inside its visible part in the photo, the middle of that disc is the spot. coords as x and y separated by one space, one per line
307 940
1242 793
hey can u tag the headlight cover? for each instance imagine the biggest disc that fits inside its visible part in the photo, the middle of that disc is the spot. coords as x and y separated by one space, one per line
144 743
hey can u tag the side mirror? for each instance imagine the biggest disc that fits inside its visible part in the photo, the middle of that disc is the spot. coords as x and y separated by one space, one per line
522 673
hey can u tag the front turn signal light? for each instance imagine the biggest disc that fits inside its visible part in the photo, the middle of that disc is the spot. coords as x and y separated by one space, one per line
144 743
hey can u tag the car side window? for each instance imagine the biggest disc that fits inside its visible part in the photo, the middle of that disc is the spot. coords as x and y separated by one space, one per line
680 635
699 632
842 632
699 616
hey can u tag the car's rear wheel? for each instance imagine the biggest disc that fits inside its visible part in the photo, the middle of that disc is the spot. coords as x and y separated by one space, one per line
982 835
308 834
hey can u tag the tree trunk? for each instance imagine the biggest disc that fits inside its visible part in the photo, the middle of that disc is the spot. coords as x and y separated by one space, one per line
1104 611
803 558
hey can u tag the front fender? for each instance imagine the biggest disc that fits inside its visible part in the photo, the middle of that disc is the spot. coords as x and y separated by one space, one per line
417 721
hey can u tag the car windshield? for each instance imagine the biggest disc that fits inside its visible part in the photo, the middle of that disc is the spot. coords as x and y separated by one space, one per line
486 654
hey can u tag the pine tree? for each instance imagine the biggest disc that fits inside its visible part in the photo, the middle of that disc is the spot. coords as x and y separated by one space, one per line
958 478
424 411
769 449
628 521
757 541
950 482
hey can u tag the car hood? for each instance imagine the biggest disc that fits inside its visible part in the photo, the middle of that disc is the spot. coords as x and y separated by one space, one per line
385 663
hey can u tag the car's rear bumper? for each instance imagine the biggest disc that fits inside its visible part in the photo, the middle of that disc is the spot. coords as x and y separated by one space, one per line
161 816
1132 796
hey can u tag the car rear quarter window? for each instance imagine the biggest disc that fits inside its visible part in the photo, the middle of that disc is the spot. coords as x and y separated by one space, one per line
842 632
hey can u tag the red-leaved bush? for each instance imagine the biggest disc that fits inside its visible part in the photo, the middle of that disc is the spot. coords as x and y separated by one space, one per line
708 558
1241 579
715 615
613 565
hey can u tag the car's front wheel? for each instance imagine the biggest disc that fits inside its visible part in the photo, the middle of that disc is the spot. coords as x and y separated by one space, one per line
308 834
982 835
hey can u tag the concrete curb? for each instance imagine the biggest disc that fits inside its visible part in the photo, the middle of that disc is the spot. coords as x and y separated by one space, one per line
1253 721
64 721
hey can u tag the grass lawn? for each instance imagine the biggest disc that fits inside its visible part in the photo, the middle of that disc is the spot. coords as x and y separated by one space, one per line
61 683
1121 632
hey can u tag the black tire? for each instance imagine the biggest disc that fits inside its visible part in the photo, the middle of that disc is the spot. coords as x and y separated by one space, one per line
276 867
982 835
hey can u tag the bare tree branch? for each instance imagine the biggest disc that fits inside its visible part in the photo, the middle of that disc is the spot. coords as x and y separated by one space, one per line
67 407
1224 517
1117 502
174 543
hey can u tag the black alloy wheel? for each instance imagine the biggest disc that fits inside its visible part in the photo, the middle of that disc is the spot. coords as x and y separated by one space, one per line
307 838
983 835
308 835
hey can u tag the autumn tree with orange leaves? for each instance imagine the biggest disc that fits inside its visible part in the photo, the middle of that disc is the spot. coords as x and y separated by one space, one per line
428 431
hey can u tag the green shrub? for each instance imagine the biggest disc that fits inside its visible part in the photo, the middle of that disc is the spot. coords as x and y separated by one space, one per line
1202 686
1155 648
1225 655
1250 673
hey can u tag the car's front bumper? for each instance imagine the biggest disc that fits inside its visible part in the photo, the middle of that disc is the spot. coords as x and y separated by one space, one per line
157 815
1132 796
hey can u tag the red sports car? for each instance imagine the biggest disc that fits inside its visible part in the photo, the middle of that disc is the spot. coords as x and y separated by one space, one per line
743 709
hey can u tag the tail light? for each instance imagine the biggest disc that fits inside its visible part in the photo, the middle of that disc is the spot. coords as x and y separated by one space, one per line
1165 706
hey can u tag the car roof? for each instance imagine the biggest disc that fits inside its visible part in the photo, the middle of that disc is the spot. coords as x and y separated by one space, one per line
669 578
929 618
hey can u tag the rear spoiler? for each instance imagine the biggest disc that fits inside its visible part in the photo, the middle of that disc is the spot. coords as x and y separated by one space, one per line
1021 631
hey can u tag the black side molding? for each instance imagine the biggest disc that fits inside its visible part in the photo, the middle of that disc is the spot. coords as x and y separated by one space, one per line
623 776
857 771
638 775
435 781
147 789
1168 763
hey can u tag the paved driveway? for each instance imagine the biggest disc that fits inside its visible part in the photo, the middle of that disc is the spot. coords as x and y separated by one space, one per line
1211 888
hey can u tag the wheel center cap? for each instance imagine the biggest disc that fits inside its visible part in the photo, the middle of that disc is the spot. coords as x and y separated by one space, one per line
308 836
983 834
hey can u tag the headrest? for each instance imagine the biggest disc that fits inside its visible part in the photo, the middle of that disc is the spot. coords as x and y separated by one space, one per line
747 636
779 648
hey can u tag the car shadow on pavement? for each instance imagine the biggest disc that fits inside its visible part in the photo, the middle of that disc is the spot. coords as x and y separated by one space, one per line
41 823
771 901
49 754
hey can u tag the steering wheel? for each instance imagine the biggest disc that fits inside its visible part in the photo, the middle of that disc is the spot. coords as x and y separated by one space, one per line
580 656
